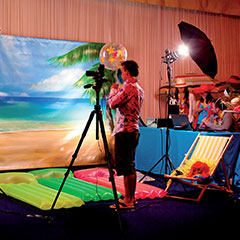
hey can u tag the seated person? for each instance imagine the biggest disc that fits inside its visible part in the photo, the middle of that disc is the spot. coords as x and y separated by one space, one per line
219 120
236 108
204 106
236 104
185 100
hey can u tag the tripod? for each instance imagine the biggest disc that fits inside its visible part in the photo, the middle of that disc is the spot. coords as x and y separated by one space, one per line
168 59
99 122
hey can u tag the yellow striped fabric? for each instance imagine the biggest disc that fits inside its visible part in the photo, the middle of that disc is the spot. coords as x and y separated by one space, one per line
209 150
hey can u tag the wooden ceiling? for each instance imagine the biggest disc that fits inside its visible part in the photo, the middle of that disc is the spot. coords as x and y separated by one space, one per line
225 7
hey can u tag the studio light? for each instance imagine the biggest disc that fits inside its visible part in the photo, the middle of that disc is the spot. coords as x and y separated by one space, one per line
183 50
171 57
203 54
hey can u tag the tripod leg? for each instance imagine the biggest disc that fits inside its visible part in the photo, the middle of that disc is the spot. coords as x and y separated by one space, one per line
169 162
74 156
84 134
107 157
97 123
152 168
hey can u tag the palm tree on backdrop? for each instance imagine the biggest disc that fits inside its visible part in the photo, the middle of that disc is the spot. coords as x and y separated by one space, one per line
87 53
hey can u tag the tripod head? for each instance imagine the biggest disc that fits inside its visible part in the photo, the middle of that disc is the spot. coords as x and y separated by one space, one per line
97 76
98 80
97 85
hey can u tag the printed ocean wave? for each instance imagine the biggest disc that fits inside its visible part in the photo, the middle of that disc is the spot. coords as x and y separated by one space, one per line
22 126
28 114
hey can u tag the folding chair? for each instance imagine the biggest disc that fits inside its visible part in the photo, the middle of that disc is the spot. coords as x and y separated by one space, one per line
199 165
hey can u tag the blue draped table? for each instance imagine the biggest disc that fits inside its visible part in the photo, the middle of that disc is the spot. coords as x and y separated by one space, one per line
152 146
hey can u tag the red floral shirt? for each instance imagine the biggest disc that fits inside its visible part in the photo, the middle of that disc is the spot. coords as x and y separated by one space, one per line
127 100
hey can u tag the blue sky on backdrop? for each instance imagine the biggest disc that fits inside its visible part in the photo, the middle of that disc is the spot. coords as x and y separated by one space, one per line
25 70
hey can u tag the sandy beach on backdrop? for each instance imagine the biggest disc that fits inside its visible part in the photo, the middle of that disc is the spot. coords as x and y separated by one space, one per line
50 148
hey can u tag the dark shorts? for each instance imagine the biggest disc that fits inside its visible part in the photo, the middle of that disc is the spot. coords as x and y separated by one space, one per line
125 149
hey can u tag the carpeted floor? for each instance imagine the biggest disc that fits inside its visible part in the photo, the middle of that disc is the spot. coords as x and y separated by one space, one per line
215 215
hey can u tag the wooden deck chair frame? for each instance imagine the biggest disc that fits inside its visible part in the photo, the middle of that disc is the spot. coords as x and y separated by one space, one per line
200 184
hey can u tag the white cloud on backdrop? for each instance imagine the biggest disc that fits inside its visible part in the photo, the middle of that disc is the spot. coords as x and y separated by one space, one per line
59 82
2 94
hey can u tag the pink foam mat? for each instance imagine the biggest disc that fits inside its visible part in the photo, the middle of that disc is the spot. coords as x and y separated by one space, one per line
100 176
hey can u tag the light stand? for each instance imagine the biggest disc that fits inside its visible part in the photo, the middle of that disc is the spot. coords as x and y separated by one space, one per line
203 54
98 77
169 58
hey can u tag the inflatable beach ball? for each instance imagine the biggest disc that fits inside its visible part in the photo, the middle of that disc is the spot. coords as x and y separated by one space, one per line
112 55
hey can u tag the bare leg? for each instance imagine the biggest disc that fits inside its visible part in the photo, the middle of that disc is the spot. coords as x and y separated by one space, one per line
130 187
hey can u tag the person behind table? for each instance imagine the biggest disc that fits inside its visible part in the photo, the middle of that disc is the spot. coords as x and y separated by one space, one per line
233 88
220 120
186 101
203 107
235 102
127 100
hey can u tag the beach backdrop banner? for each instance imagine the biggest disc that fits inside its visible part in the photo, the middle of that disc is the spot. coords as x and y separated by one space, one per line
43 104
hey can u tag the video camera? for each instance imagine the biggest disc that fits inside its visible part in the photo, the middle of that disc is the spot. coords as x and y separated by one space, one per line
96 74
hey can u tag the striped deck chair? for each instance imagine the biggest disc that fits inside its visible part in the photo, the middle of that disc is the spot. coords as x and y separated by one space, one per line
200 164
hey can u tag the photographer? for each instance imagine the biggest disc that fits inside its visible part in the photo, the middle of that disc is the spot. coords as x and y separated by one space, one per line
127 100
